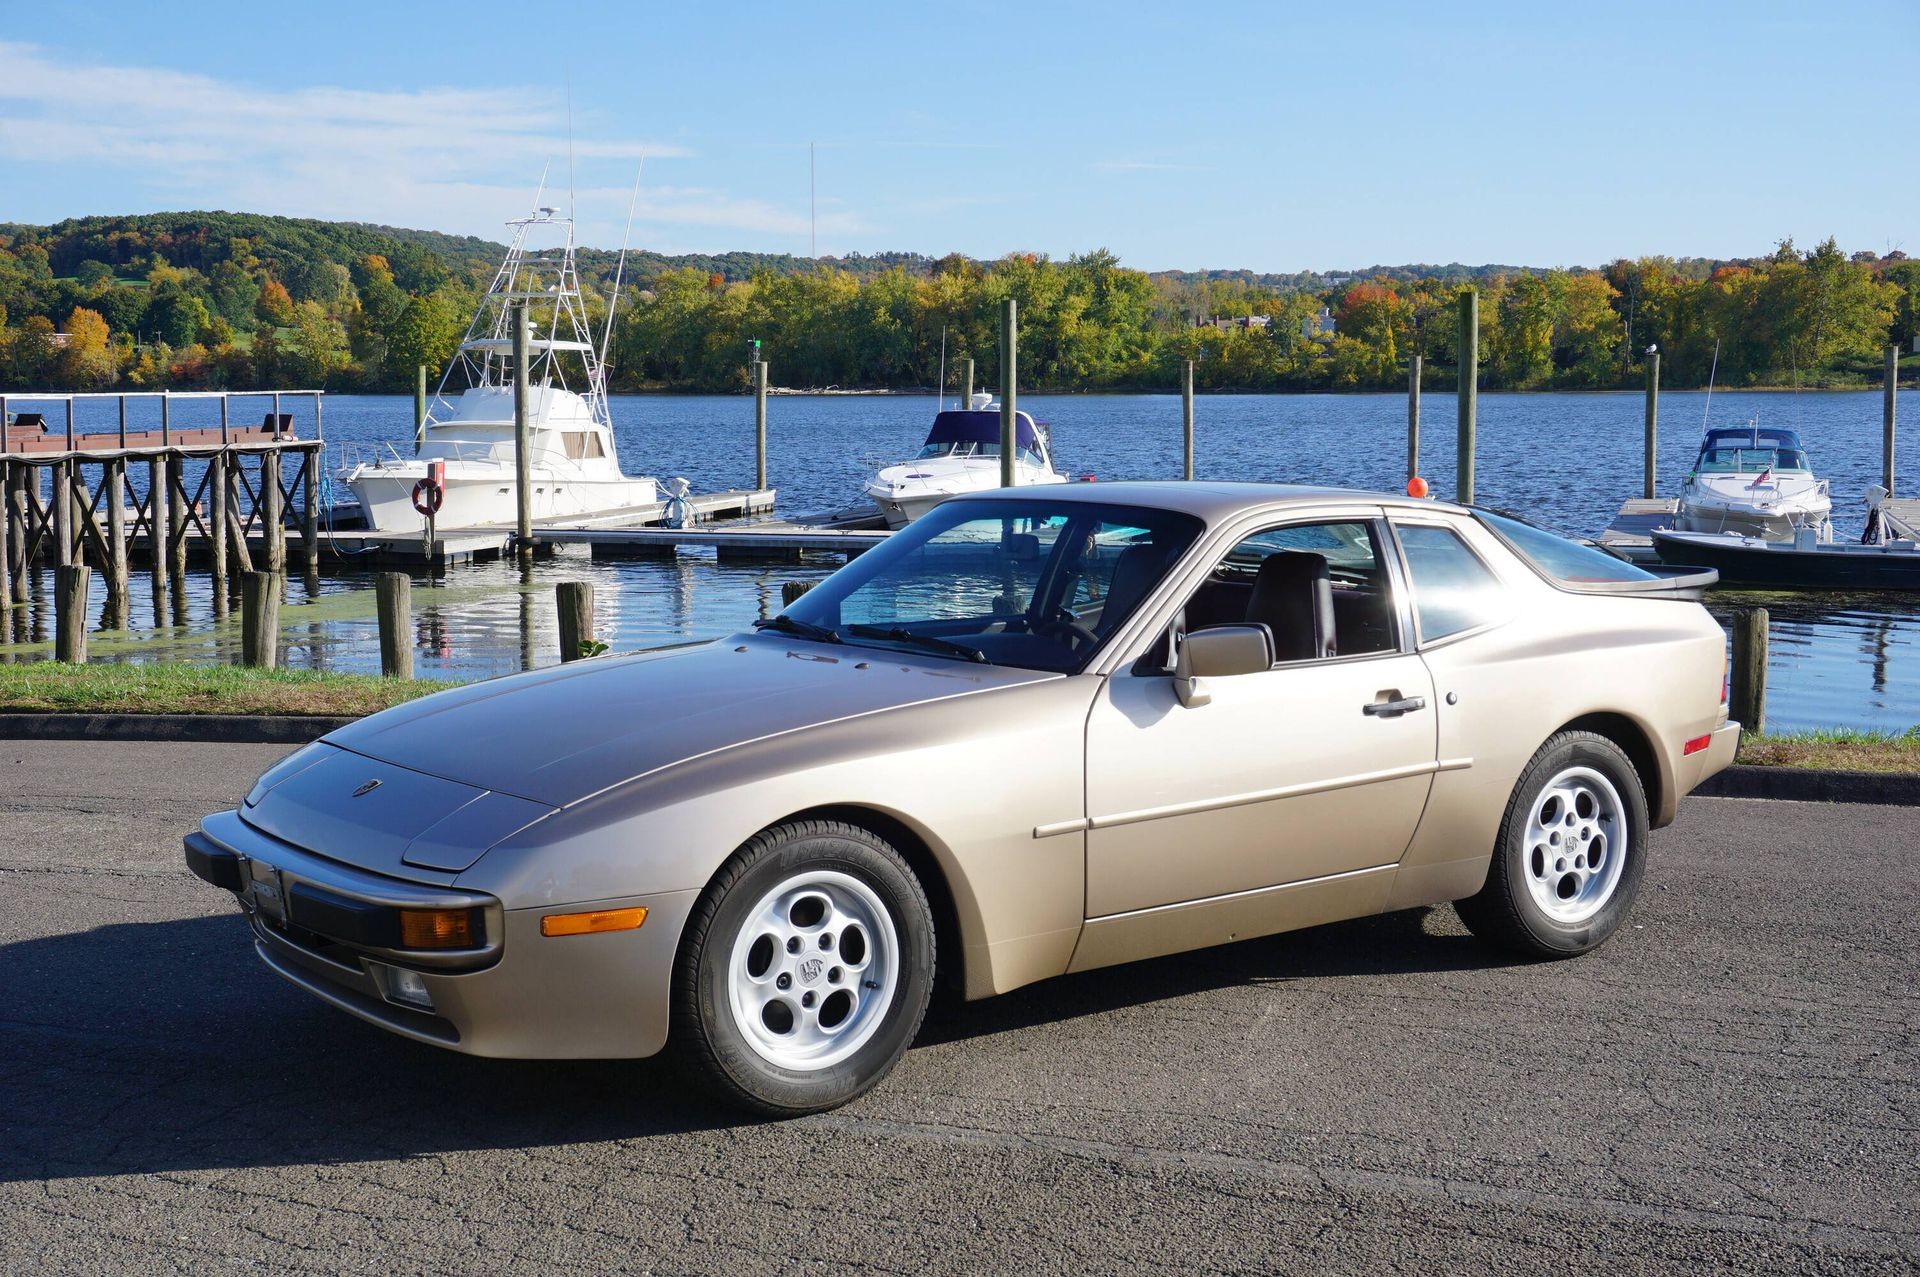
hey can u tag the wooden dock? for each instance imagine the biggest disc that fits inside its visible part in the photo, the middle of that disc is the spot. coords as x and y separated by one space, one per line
1630 535
489 541
843 532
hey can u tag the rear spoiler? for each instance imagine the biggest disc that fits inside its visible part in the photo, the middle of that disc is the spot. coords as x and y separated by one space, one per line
1689 584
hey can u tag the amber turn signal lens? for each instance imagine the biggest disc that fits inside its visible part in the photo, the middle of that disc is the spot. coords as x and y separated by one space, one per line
437 929
585 924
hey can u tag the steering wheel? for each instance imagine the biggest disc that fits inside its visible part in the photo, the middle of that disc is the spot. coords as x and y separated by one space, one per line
1065 624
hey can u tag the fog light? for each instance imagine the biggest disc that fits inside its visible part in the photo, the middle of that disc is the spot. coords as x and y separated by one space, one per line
437 929
409 988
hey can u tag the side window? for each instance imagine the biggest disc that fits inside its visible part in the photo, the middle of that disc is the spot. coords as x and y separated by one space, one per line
1319 588
1452 589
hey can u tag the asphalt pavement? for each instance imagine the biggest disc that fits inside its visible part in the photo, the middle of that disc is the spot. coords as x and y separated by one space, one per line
1731 1085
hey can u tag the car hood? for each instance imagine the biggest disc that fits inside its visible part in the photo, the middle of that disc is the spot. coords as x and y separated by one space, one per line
564 734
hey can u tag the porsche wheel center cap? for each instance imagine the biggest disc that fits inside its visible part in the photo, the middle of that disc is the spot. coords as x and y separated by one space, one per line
810 970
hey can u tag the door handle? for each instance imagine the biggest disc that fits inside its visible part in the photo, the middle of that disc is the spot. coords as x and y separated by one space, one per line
1394 707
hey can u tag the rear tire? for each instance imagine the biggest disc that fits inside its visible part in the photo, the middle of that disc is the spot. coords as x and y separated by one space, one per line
805 969
1571 852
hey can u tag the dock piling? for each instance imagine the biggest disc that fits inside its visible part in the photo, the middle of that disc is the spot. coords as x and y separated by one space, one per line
759 424
217 512
1186 418
790 591
60 495
419 407
1413 418
1652 443
393 604
178 509
116 565
1469 361
70 585
1009 380
157 527
260 620
272 516
966 381
522 456
1748 692
575 599
1889 390
310 508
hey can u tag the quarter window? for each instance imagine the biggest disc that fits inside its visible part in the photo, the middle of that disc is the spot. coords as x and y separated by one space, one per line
1453 590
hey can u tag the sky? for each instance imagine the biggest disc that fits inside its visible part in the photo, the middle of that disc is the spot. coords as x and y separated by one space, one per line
1272 136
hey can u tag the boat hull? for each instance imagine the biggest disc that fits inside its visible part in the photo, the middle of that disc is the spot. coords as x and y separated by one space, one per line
1771 565
478 499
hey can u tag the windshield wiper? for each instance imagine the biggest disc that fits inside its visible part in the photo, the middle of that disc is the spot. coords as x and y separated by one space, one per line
793 625
900 634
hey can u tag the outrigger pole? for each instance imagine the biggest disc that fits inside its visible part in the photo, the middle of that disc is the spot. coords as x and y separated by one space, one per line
620 271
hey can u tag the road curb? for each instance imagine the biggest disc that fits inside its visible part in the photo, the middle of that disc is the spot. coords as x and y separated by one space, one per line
1808 785
223 729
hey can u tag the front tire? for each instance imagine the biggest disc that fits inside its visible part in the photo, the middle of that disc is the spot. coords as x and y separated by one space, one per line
805 970
1571 852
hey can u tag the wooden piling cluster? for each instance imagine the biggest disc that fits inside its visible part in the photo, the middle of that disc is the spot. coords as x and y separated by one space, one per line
98 498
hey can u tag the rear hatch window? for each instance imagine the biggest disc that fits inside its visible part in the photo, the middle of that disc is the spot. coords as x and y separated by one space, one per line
1586 569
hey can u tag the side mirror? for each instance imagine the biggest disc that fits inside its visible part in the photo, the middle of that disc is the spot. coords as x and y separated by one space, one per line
1219 651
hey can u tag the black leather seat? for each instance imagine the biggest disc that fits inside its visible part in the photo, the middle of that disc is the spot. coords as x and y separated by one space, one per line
1293 597
1134 573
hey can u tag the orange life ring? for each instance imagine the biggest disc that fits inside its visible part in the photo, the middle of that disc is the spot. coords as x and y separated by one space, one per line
428 496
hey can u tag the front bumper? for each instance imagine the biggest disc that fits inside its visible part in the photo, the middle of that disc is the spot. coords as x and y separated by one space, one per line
518 994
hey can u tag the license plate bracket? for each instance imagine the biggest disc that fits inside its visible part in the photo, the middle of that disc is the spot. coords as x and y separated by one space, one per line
267 891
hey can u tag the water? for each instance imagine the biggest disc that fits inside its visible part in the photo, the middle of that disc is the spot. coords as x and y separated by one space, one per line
1565 460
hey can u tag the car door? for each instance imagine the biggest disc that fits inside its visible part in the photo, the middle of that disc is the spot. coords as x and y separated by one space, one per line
1317 766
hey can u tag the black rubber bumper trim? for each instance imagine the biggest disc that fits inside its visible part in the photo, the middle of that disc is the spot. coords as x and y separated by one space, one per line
211 862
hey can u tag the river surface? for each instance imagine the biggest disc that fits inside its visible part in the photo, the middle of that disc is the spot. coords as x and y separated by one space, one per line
1566 460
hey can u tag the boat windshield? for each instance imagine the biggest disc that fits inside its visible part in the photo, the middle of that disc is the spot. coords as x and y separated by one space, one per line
967 448
1032 583
1751 460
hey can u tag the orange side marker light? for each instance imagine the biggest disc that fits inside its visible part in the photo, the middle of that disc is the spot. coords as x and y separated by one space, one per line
592 922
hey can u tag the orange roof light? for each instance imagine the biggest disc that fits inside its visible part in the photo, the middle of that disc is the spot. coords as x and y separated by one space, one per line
597 920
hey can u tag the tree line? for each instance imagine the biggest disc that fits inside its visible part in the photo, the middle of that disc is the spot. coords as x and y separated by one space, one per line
198 300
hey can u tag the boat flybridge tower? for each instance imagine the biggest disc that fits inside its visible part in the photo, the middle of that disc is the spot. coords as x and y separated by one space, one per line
467 443
543 275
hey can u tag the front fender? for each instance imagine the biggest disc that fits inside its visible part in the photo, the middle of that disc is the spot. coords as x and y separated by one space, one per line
972 776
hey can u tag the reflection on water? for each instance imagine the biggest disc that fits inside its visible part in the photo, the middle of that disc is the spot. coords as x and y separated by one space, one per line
1567 460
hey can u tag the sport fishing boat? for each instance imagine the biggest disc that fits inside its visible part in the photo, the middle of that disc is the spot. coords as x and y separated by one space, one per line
1754 480
469 426
962 455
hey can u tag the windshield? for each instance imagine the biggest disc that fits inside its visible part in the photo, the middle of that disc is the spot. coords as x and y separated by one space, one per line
1033 583
970 449
1750 460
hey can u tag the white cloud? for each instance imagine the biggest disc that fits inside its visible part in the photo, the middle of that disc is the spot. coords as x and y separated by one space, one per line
455 159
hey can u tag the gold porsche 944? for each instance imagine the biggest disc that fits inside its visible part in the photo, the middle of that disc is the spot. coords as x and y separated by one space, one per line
1034 732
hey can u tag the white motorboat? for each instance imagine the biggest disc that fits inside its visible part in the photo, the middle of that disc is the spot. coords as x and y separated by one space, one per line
469 427
962 455
1754 480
